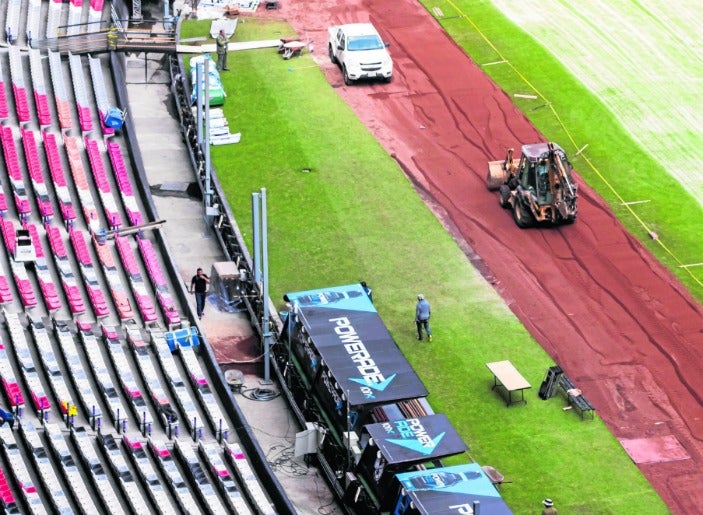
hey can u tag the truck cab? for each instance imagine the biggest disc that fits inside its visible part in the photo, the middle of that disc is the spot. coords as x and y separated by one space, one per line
360 52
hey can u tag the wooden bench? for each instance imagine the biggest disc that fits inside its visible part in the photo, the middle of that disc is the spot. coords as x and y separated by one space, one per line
575 398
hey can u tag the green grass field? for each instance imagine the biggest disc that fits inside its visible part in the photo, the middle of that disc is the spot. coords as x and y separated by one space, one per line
355 216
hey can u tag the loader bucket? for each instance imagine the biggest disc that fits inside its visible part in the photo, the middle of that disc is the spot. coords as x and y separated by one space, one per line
496 175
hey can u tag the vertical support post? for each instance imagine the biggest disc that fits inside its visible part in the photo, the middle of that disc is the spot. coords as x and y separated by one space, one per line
256 233
167 17
265 325
199 101
206 132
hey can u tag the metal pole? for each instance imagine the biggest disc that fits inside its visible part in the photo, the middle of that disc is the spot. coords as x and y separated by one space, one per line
167 24
266 330
256 232
207 134
199 100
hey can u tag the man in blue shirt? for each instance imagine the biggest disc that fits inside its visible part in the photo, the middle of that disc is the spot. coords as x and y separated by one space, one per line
422 317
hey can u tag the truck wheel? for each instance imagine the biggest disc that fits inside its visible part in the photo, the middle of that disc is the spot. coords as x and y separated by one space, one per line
522 216
388 80
347 80
504 198
331 53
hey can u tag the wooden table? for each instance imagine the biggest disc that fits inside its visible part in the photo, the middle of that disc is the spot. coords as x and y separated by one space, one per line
507 376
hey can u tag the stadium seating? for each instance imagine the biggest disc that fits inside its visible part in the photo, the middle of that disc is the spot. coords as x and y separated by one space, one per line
68 280
139 289
42 464
39 398
79 90
4 110
57 80
18 86
41 100
33 162
14 172
51 148
122 177
96 163
96 74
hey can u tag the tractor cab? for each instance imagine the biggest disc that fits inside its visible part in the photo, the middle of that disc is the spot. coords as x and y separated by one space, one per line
540 189
534 170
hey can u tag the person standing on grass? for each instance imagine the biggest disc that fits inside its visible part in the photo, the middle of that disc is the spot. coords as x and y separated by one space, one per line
549 508
198 285
221 42
422 317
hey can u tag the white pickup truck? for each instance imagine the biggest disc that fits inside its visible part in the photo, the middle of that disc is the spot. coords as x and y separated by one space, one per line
360 52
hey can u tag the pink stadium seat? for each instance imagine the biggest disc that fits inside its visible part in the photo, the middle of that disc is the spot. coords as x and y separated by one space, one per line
127 256
56 242
32 156
152 262
105 255
5 293
11 160
75 299
97 300
13 392
36 240
51 149
40 400
146 308
4 111
80 247
97 5
9 236
119 167
24 286
43 111
64 110
21 103
51 296
124 307
86 121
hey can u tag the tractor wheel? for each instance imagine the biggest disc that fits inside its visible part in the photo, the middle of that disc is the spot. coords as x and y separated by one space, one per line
347 80
522 215
331 53
504 198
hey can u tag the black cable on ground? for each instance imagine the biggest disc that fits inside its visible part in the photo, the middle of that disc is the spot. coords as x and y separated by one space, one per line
260 394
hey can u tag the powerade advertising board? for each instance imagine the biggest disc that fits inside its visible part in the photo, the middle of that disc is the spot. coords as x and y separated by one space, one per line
416 439
399 445
449 490
346 350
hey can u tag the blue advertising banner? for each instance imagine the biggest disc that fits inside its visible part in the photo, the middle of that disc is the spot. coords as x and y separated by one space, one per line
450 490
363 360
